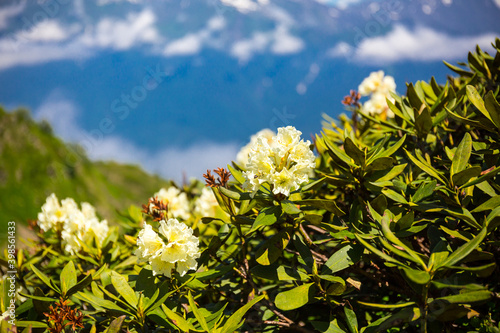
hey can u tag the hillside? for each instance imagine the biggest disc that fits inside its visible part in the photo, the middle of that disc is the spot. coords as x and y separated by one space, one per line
34 163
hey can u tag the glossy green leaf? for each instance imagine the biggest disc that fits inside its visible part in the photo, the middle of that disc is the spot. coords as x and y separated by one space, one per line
238 175
481 179
493 108
394 196
197 313
45 279
464 215
387 306
466 175
343 258
488 205
417 276
32 324
478 102
116 325
426 167
296 297
352 321
289 207
80 285
325 327
273 248
267 216
235 321
462 155
122 287
68 277
354 152
423 122
328 205
464 250
425 190
179 321
467 298
101 303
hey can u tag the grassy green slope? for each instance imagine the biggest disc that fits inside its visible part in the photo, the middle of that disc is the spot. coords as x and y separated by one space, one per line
34 163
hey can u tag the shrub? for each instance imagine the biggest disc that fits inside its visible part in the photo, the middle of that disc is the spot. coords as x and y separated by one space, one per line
395 229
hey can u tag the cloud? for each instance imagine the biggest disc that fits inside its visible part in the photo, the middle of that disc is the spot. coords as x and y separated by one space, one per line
278 41
421 44
171 163
48 31
192 43
49 40
117 34
10 11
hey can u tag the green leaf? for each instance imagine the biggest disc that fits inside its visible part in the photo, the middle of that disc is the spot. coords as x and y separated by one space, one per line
423 122
267 216
394 196
32 324
426 167
68 277
388 176
296 297
236 174
162 297
458 70
464 250
235 321
80 285
352 321
481 179
466 298
464 215
289 207
115 325
379 253
413 97
387 306
343 258
273 248
328 205
45 279
488 205
417 276
197 314
478 102
462 155
336 286
325 327
464 176
233 194
122 287
354 152
100 302
424 190
304 251
313 184
493 108
178 321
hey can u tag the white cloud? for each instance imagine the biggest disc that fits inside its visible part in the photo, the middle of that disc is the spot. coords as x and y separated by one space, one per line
48 31
10 11
421 44
497 2
171 163
243 6
136 29
192 43
278 41
50 40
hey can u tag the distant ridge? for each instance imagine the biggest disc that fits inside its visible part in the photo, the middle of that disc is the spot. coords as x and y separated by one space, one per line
34 163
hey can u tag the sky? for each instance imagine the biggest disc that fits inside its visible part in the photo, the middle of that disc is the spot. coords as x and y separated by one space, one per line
179 86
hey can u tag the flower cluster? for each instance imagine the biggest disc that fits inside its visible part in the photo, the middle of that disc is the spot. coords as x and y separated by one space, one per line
379 87
242 156
177 202
206 204
75 226
173 247
285 162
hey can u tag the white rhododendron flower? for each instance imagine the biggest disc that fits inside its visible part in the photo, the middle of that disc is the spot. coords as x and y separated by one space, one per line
377 104
285 162
178 204
379 87
242 156
175 247
206 204
376 82
76 226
